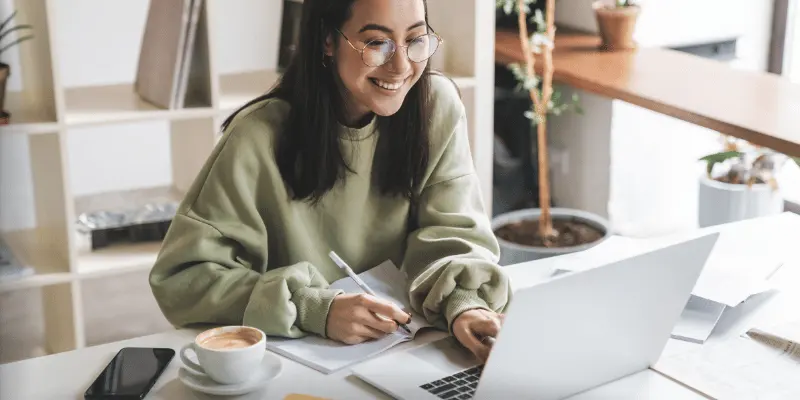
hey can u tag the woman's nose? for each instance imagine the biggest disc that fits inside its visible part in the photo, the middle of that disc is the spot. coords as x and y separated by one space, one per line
399 62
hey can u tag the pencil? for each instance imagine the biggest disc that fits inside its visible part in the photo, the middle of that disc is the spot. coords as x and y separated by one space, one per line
363 285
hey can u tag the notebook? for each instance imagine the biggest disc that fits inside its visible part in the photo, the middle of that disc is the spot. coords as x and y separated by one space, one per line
327 355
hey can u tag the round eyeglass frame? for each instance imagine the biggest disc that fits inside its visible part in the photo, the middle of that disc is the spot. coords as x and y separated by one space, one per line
396 46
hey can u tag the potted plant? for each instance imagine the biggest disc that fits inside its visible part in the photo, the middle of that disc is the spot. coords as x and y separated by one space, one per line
5 69
534 233
616 21
740 183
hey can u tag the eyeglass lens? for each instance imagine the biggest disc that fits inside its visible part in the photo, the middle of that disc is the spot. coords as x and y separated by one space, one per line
378 52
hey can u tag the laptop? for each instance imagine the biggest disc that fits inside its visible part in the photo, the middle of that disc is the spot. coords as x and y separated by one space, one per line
561 337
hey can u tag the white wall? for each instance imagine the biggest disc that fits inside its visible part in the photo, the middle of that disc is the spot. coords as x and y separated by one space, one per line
98 44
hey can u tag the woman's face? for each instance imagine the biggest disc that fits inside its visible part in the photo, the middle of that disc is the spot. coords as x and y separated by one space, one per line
379 89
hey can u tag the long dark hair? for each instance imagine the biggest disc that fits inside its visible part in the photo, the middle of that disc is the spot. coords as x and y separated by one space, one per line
308 150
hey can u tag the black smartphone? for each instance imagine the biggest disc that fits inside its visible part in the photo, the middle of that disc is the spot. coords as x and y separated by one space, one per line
130 374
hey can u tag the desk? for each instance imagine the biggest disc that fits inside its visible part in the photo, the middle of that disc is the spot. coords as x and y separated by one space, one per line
758 107
66 375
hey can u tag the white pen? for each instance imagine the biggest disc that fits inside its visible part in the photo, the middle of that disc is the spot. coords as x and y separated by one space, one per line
363 285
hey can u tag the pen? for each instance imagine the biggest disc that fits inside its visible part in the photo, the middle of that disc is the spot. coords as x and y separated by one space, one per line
363 285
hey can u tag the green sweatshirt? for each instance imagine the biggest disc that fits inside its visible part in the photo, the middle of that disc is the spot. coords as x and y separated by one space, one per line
239 251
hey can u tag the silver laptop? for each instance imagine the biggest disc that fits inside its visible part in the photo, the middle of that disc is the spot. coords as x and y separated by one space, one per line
561 337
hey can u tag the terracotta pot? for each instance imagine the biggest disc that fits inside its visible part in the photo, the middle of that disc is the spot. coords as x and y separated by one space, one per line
616 25
4 72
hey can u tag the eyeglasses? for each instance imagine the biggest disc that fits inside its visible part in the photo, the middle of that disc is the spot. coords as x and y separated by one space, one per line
379 51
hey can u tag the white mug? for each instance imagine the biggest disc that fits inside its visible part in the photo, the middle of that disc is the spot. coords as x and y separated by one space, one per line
228 354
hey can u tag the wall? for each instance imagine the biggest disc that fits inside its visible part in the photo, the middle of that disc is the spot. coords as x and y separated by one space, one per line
98 43
652 171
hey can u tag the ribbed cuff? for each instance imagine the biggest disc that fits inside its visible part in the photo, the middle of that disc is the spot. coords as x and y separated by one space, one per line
313 305
461 300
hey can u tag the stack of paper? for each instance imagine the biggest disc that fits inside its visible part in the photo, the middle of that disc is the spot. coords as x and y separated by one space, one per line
739 267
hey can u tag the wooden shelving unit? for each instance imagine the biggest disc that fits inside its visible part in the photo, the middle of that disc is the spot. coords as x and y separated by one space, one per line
47 112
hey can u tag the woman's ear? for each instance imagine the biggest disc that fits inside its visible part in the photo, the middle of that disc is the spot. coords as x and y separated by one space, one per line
328 48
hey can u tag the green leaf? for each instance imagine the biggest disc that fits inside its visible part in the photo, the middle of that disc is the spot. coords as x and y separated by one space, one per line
796 160
538 18
713 159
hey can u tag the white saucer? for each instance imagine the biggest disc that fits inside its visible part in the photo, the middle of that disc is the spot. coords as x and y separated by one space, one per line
270 368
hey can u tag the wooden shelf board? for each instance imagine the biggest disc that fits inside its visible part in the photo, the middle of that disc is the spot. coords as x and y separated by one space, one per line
117 259
29 248
239 88
119 103
754 106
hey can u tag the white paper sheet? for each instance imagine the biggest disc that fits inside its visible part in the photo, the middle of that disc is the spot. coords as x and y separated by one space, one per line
744 367
326 355
698 320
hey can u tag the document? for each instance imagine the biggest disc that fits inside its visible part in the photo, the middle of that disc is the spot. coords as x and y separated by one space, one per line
698 320
328 356
740 266
761 364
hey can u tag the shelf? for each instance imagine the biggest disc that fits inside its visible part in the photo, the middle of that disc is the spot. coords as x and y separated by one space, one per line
117 259
26 120
27 248
119 103
237 89
463 82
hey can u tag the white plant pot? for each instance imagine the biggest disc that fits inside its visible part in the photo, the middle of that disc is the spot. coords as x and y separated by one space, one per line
721 203
513 253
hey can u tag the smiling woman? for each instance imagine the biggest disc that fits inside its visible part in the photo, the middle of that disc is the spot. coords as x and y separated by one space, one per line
358 149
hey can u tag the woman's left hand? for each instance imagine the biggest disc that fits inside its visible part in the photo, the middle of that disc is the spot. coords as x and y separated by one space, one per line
476 330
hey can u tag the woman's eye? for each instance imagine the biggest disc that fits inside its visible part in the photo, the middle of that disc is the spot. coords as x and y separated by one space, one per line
376 43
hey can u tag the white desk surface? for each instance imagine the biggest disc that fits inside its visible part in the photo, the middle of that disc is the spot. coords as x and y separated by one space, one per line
67 375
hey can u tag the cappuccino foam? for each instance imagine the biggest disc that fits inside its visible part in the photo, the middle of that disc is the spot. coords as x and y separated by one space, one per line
230 340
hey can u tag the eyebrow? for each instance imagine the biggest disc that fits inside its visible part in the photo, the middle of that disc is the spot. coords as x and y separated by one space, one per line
376 27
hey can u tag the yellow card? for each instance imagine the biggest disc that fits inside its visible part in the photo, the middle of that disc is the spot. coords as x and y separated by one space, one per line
296 396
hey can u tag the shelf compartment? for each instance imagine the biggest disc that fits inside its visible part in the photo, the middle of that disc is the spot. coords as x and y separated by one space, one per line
127 209
30 248
239 88
119 103
27 120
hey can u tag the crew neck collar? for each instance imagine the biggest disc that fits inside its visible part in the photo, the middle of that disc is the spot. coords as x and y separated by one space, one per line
358 133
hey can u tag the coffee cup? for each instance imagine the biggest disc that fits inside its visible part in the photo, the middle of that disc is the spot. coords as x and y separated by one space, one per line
228 354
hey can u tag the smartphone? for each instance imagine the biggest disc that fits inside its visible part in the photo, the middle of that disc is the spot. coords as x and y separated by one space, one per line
130 374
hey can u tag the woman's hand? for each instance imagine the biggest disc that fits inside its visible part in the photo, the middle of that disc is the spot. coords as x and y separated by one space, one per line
476 330
353 318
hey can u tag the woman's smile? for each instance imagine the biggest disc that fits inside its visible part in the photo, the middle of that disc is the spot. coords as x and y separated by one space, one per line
389 85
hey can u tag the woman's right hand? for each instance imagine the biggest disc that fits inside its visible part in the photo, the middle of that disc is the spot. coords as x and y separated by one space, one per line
353 318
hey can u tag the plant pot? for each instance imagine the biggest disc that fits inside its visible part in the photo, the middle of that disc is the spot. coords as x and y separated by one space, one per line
514 253
5 70
616 25
720 202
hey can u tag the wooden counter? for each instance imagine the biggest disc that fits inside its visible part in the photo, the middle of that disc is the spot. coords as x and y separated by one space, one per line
759 107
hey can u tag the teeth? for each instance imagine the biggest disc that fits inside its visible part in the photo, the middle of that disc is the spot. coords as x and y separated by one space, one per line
388 85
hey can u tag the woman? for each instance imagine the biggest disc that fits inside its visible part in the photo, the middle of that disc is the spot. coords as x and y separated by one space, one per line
358 150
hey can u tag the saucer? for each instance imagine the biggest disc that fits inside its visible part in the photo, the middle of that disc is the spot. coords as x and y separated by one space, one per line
270 368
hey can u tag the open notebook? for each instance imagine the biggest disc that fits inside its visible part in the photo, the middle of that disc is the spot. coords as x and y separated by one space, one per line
328 356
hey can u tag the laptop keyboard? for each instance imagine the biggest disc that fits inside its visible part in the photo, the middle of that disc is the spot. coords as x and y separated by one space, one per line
459 386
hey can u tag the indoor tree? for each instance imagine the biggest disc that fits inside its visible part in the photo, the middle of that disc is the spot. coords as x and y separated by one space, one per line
540 89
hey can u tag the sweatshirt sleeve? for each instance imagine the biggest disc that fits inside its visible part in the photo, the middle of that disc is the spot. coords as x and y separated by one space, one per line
212 267
451 256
